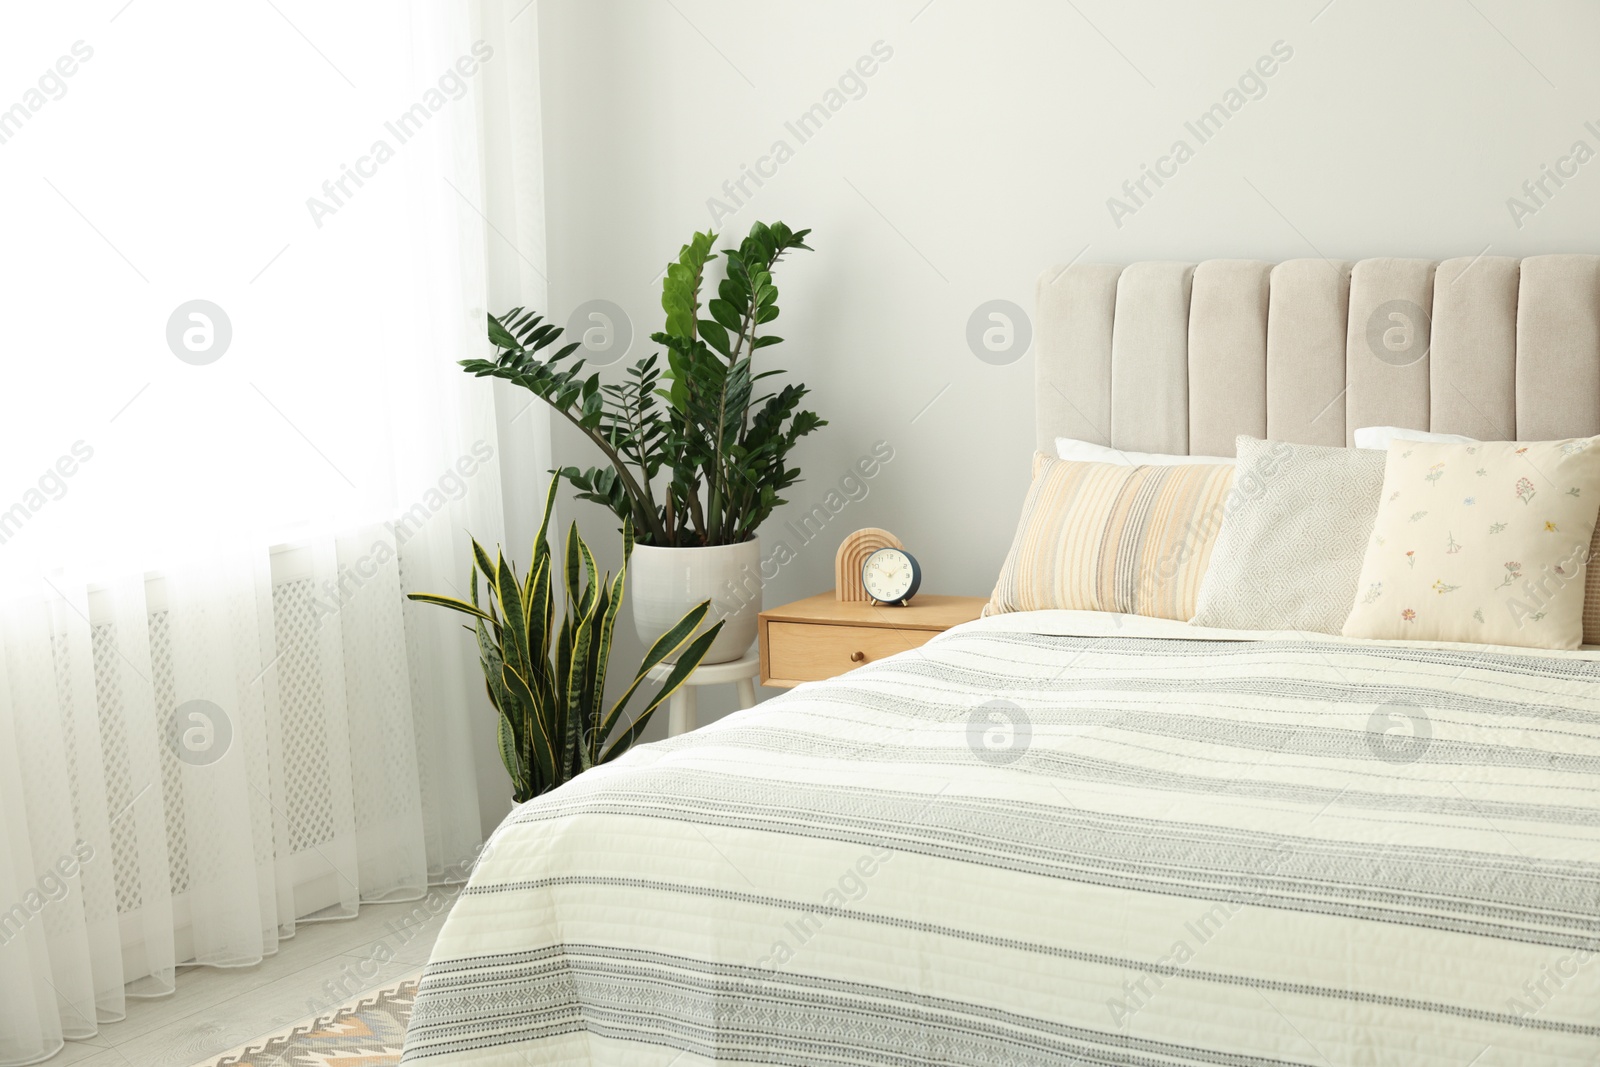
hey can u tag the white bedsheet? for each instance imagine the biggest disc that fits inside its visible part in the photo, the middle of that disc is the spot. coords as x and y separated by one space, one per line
1064 837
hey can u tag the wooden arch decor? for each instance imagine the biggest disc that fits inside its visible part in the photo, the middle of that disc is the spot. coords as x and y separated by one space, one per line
853 552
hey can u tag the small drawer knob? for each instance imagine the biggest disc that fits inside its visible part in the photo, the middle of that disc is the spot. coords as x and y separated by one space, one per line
857 657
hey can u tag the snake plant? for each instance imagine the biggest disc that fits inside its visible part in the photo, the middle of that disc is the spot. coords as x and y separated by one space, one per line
549 690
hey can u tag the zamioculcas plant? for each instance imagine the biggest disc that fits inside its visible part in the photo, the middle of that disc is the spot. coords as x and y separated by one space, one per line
549 690
696 449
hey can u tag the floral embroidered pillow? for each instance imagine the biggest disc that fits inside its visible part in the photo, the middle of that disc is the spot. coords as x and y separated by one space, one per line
1483 542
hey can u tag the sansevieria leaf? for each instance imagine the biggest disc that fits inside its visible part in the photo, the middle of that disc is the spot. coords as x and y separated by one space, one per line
453 604
481 557
543 761
507 739
680 671
664 646
516 626
608 624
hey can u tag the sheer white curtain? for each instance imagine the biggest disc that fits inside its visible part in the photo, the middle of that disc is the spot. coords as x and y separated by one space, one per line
245 247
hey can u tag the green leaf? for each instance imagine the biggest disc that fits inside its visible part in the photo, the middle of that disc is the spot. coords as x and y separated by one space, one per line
499 336
607 625
591 570
579 712
542 607
490 659
664 646
452 603
687 662
515 622
726 314
715 336
574 561
485 564
538 739
506 740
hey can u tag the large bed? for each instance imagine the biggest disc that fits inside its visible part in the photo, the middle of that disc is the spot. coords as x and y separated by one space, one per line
1083 837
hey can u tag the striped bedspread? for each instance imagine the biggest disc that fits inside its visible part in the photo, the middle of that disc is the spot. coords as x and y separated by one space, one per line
1064 838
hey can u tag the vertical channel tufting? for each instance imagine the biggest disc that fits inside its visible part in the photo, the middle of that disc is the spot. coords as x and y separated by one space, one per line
1150 358
1072 376
1166 357
1558 348
1386 344
1473 358
1306 316
1227 354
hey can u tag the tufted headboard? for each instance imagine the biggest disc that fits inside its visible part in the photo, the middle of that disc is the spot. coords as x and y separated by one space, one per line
1181 357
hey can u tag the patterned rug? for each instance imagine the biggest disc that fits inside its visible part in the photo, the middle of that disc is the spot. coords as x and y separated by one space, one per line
368 1031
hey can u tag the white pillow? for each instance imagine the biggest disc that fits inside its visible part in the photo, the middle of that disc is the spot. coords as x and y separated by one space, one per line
1085 452
1379 436
1294 532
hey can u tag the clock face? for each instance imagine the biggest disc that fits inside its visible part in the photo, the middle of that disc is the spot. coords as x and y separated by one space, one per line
890 575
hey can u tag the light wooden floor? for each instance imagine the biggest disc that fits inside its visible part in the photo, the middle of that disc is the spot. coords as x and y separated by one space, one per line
216 1010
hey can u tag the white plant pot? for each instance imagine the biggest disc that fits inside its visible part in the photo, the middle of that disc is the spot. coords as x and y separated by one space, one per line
666 582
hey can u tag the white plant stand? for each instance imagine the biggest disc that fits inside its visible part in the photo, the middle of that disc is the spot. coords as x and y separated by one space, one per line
684 705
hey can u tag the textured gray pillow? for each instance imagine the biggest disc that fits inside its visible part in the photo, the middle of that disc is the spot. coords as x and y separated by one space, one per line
1294 532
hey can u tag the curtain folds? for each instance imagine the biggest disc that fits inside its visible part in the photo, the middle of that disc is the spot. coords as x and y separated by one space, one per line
230 728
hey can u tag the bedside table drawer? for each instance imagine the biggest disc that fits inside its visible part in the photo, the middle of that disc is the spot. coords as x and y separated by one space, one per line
820 637
808 652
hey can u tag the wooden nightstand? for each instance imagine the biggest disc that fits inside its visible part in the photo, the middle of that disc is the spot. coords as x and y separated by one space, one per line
820 636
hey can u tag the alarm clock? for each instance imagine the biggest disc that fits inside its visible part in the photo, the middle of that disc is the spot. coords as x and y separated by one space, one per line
891 576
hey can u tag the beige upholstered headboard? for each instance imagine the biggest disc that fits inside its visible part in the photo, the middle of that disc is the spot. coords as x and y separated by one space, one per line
1181 357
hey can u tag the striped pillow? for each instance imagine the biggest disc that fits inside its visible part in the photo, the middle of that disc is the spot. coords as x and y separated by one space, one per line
1104 537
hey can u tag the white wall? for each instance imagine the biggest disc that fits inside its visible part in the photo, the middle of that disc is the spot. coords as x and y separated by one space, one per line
985 149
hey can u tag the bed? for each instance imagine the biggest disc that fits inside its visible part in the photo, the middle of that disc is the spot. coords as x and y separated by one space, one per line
1081 837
